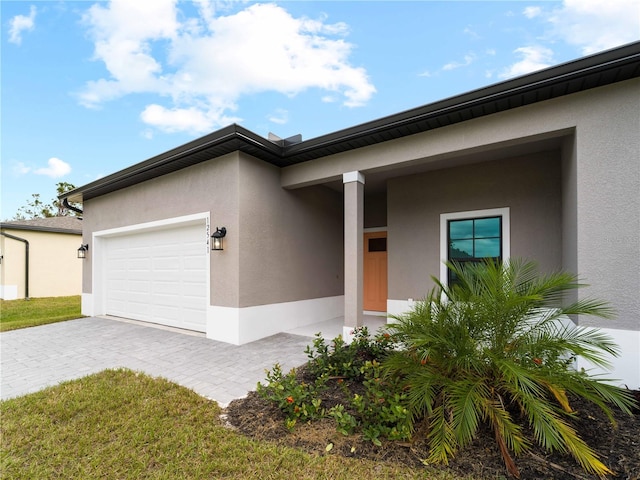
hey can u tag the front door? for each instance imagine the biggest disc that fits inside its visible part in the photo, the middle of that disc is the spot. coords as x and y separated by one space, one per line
375 271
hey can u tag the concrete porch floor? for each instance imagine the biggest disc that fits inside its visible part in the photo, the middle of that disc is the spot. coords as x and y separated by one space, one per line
332 328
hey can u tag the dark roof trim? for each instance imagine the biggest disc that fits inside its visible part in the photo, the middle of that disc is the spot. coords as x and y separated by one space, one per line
611 66
575 70
223 141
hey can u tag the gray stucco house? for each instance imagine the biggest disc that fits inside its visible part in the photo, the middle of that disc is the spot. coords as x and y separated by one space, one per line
544 166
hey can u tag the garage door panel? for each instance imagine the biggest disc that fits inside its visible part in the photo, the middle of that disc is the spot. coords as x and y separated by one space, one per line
165 288
167 263
166 276
159 276
192 263
194 290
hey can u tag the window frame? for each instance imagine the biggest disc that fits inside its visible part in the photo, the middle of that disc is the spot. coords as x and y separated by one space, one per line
503 212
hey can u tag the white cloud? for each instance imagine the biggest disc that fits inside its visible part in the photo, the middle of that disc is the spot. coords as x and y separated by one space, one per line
122 41
468 60
21 23
532 12
21 169
56 168
594 25
280 116
471 33
532 58
91 178
191 119
203 65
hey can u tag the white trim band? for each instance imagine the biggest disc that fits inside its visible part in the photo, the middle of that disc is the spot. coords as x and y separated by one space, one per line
243 325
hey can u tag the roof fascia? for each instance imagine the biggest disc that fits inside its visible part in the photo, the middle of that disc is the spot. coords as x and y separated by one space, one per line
224 135
529 82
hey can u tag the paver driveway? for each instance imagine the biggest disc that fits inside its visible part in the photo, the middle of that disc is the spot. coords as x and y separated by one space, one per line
34 358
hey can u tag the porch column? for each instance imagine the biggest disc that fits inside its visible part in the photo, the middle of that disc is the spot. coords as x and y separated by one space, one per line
353 255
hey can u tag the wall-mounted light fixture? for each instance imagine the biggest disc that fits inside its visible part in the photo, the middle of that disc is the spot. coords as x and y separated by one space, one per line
218 235
82 251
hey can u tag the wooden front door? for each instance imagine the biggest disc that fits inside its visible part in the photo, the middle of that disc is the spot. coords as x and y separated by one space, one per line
375 271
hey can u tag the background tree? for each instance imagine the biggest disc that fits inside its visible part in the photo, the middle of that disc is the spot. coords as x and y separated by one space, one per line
37 208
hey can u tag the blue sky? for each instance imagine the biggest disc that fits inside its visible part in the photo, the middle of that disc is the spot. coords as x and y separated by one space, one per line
89 88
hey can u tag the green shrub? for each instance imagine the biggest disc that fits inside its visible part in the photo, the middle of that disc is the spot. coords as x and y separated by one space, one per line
490 349
297 400
380 412
383 406
346 360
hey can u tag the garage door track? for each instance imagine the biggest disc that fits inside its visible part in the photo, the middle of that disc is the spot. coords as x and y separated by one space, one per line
34 358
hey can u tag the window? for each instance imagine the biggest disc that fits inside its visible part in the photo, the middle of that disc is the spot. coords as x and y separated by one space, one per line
472 237
377 244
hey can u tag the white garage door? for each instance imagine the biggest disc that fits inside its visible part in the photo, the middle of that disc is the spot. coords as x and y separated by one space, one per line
159 276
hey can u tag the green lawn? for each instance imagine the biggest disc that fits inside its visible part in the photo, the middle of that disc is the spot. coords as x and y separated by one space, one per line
125 425
37 311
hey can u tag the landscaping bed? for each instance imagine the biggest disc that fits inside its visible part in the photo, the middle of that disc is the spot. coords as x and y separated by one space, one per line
477 380
618 448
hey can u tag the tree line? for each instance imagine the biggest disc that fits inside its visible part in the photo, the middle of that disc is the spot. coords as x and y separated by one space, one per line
38 208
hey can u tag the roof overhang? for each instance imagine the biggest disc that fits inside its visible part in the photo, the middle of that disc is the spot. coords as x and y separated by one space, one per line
31 228
594 71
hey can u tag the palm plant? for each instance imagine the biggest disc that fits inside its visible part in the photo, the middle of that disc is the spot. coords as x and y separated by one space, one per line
494 348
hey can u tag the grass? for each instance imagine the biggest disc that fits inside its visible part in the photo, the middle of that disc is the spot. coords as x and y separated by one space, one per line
37 311
122 424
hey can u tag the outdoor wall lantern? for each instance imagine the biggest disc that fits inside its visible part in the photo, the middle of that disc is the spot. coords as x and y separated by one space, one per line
82 251
217 237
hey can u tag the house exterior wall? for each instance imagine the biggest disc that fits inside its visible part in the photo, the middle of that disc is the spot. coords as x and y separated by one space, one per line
375 210
575 207
275 238
600 191
54 269
206 187
290 240
529 186
281 266
608 199
600 182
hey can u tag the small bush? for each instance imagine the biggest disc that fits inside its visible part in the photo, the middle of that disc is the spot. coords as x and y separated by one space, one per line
297 400
346 360
379 412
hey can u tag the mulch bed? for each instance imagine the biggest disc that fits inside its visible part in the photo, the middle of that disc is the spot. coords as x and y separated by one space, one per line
618 447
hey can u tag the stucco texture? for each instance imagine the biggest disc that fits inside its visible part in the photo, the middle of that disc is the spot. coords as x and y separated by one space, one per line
596 135
529 186
54 269
276 247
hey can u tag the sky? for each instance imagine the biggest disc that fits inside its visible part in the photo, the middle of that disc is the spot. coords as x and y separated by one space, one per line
89 88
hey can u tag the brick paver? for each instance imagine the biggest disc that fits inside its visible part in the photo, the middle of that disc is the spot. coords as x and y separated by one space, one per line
34 358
